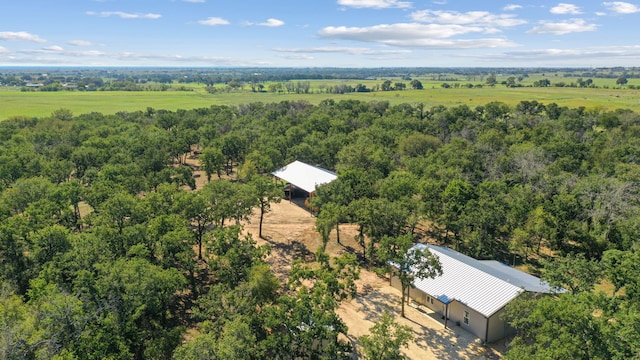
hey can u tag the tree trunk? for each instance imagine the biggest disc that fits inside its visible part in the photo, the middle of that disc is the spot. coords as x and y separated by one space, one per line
261 217
539 245
446 234
403 297
76 216
338 232
362 243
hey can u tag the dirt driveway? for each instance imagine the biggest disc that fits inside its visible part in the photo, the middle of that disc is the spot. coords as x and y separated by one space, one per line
290 231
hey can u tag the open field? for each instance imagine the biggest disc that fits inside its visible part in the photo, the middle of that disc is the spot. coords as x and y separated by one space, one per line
14 103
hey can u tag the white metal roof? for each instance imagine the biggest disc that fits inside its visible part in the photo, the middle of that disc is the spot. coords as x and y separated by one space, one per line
305 176
485 286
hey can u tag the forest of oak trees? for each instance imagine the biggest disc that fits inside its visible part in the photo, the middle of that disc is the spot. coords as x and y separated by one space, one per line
106 252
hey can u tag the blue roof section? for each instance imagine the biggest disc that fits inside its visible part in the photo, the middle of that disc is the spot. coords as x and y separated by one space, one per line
485 286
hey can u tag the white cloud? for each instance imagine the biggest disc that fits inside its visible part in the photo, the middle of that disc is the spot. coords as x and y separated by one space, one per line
272 23
172 59
20 36
124 15
478 18
375 4
3 49
563 27
622 52
512 7
341 50
88 53
415 35
79 43
298 57
563 8
54 48
390 32
214 21
42 56
59 51
621 7
568 57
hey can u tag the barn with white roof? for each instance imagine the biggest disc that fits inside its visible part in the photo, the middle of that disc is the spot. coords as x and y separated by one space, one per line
304 176
473 293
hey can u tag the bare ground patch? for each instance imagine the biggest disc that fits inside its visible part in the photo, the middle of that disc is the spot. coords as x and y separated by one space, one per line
290 231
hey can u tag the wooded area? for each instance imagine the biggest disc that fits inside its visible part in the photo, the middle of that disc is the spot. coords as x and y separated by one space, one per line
106 250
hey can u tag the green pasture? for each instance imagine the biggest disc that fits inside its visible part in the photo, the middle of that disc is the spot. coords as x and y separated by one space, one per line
14 103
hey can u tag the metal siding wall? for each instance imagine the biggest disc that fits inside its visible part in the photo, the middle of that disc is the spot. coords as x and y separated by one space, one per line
477 322
395 282
418 296
498 328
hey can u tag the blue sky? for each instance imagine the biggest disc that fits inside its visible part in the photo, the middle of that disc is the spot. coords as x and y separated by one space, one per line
319 33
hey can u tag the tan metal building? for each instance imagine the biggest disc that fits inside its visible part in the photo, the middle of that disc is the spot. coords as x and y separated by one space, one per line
473 293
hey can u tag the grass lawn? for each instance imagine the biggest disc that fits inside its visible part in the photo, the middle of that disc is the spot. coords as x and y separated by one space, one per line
39 104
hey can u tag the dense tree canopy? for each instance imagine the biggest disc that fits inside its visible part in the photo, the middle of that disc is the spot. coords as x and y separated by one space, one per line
99 221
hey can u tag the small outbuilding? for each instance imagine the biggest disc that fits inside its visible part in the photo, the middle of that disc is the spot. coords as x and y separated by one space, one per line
304 176
473 293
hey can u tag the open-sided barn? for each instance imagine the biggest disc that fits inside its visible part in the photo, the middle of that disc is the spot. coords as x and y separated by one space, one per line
304 176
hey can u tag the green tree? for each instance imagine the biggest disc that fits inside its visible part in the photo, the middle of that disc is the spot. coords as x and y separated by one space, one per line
17 326
116 219
304 322
213 161
50 243
196 207
418 144
255 163
573 272
62 114
329 218
15 265
556 328
233 147
61 320
386 339
202 347
455 198
229 200
621 268
542 83
491 80
232 256
416 84
140 302
378 218
408 262
265 192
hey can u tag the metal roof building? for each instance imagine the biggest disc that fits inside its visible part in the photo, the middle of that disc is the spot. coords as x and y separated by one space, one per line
304 176
473 292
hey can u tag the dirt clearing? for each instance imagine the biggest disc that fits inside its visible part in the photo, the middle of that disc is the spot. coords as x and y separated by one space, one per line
290 230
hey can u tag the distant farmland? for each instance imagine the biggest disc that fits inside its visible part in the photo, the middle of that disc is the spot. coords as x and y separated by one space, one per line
15 103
